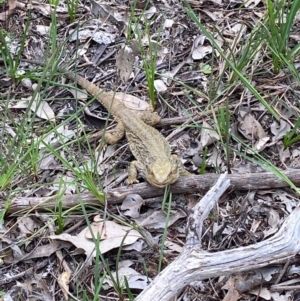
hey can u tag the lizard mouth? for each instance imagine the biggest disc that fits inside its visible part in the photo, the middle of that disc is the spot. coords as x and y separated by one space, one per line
162 184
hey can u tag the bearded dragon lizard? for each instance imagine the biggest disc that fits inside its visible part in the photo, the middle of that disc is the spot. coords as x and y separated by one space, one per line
154 160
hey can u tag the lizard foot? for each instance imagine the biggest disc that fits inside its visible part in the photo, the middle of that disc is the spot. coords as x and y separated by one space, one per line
131 180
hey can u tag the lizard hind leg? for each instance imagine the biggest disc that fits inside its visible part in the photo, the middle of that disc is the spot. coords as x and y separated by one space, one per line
112 137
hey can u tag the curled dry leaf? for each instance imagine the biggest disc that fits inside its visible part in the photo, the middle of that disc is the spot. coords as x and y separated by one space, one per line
284 153
279 130
285 198
215 158
249 127
245 282
125 59
208 135
45 160
63 281
134 279
137 246
26 226
40 108
261 144
273 218
199 50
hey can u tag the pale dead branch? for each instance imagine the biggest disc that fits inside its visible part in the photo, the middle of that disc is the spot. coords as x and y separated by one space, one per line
195 264
191 184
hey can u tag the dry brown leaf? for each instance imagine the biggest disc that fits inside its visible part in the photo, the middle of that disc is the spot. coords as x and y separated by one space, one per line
249 127
125 60
99 36
43 251
261 144
43 29
26 226
285 198
114 235
255 225
232 295
107 14
79 94
45 161
200 52
62 135
215 158
279 130
63 281
22 104
284 153
11 7
150 12
134 279
42 109
154 219
208 135
214 15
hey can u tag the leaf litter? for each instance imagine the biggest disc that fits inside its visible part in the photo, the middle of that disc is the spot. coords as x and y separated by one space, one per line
183 56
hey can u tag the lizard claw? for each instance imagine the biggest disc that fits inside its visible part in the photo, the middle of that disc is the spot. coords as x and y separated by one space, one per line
131 181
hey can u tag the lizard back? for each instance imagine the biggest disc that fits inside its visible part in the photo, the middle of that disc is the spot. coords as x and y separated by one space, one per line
145 142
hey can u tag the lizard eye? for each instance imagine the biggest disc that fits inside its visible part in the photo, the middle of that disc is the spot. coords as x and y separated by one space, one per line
149 169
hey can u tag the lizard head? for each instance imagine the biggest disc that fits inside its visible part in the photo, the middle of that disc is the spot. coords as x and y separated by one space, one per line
162 173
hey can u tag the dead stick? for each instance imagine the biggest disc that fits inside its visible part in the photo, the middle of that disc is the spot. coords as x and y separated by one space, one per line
195 265
191 184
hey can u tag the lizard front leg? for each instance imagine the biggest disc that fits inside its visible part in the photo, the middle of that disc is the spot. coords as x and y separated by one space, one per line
150 118
133 169
115 135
